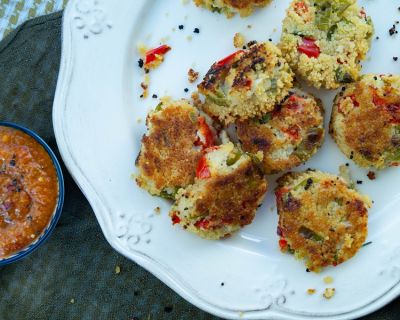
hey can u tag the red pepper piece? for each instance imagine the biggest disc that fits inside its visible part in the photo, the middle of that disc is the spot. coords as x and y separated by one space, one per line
292 102
151 55
283 244
175 219
202 171
355 102
309 48
300 8
280 192
207 133
293 132
202 224
227 59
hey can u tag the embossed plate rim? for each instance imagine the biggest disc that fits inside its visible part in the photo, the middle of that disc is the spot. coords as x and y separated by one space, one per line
103 212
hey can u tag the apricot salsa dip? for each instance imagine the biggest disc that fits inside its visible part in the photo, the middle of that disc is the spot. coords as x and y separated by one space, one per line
29 190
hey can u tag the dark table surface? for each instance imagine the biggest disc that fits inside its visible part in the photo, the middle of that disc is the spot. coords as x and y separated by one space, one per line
73 275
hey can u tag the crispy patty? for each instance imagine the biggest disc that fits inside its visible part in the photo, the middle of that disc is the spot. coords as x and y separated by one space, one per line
365 121
321 219
171 148
324 41
231 7
246 84
287 136
225 196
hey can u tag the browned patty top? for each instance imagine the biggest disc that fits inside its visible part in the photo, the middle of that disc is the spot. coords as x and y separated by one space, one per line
168 156
232 198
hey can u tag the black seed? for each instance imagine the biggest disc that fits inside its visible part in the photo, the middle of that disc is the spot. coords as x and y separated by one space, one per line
154 96
222 284
359 182
196 30
181 27
12 163
168 309
140 63
395 58
186 90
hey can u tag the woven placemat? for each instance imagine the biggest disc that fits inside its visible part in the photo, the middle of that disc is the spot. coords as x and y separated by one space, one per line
15 12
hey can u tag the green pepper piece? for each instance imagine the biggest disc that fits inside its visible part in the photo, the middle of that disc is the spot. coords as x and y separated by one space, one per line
265 118
218 98
343 76
232 160
159 107
169 196
310 235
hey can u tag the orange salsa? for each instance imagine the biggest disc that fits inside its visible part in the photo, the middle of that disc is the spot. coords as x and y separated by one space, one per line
28 190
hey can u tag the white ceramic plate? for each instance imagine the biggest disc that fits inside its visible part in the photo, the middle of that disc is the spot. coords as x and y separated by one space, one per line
95 119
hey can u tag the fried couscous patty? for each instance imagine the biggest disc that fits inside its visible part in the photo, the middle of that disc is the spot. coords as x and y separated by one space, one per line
287 136
321 219
365 121
231 7
174 143
246 84
229 188
324 41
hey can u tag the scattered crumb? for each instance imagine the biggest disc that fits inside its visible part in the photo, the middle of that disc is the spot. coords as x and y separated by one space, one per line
173 29
371 175
329 293
249 26
141 48
185 1
157 210
139 120
239 40
145 86
117 270
344 172
311 291
274 30
241 314
328 280
272 208
165 39
72 301
192 75
189 38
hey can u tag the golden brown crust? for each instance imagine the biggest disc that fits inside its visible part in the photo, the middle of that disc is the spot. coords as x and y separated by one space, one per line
365 121
231 7
246 84
168 158
225 199
321 219
233 198
291 134
243 4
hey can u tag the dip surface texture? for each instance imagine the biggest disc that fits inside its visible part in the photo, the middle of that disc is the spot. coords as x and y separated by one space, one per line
28 190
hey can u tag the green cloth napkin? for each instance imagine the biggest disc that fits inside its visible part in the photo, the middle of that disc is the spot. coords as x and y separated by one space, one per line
74 275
